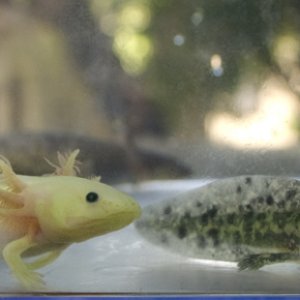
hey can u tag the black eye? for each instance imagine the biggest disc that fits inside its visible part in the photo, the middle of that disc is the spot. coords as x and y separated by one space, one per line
92 197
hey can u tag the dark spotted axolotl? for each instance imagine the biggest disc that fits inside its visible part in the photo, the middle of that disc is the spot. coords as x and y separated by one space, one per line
253 220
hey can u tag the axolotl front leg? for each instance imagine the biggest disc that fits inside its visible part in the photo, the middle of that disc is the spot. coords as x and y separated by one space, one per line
13 205
12 254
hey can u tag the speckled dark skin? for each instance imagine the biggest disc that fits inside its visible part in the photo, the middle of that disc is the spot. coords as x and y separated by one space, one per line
254 220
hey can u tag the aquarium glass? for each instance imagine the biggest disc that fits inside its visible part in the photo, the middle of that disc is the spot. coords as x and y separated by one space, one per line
149 147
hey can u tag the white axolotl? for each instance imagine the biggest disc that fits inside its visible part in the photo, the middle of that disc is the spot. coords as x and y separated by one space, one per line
44 215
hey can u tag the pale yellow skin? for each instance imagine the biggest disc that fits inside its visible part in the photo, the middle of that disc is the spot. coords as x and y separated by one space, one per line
44 215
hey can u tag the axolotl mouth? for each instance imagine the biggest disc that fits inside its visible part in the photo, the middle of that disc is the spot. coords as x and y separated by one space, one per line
79 228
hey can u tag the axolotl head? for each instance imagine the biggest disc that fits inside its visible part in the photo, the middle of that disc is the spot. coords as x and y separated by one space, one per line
73 209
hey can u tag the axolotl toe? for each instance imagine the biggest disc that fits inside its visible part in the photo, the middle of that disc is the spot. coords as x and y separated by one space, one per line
252 220
44 215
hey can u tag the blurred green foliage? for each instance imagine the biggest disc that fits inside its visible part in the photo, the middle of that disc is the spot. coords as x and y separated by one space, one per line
177 60
235 30
185 35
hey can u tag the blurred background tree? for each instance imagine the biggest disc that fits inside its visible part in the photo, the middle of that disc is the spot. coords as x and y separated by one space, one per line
219 71
196 57
189 58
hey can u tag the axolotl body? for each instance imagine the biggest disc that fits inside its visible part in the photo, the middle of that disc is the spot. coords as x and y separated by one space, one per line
42 216
252 220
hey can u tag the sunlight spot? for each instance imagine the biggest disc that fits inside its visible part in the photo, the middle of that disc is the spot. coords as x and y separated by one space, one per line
270 126
216 61
125 22
197 17
134 51
287 50
136 16
216 65
179 40
218 71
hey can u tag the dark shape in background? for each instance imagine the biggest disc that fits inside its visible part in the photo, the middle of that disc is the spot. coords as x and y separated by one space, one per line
27 153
